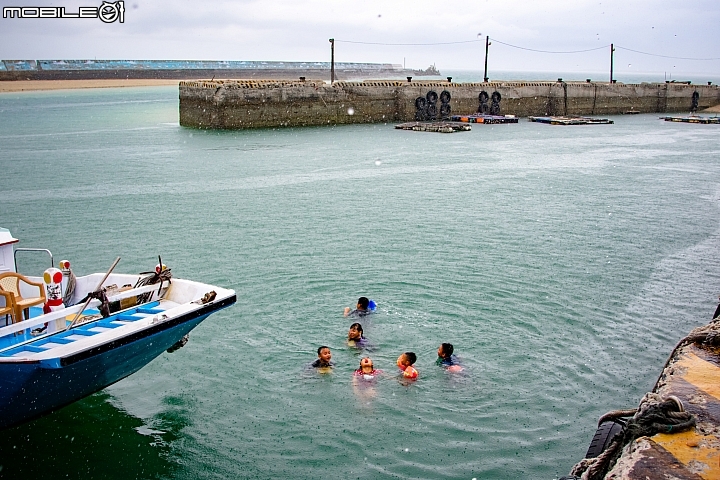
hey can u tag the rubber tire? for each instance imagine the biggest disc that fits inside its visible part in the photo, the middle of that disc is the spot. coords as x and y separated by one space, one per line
445 96
602 438
496 97
420 103
484 108
431 96
483 97
431 111
445 110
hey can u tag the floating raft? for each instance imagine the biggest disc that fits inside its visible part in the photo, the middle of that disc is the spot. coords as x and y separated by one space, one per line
571 120
442 127
486 119
693 119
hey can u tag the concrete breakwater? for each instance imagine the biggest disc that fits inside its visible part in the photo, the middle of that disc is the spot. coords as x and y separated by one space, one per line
237 104
13 70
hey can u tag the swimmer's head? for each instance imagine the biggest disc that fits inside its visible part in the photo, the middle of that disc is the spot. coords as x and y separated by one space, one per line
356 332
366 365
445 350
406 359
324 353
363 303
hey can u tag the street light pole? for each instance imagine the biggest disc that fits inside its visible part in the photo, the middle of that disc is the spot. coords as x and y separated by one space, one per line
612 49
332 60
487 47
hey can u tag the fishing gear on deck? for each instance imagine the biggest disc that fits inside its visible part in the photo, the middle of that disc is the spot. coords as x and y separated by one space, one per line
161 275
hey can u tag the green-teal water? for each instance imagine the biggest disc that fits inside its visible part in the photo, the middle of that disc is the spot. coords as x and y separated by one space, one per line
562 262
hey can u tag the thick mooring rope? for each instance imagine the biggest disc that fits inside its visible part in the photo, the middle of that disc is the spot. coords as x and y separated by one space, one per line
654 415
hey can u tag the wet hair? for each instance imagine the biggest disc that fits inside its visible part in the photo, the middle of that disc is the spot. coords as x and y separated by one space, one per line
357 327
363 302
411 357
321 347
447 349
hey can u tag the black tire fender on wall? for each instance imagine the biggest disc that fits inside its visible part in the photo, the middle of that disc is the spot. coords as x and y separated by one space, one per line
603 436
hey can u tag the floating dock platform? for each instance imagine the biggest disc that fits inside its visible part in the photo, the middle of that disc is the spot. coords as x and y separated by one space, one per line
571 120
441 127
693 119
485 119
675 431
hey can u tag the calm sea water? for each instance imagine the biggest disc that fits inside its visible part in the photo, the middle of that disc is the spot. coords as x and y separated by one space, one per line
562 262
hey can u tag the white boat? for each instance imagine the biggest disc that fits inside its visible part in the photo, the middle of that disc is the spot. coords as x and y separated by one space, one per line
61 353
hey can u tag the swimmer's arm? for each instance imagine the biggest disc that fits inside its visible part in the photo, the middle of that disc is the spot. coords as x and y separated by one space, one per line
346 312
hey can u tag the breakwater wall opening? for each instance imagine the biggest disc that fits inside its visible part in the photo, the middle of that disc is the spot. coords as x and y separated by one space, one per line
238 104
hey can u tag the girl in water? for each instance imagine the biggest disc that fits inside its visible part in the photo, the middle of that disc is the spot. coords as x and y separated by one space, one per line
355 337
367 371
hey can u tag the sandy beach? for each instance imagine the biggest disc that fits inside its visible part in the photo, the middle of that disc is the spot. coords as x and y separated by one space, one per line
33 85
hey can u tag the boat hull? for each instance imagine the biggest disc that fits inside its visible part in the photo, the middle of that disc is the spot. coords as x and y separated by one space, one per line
30 389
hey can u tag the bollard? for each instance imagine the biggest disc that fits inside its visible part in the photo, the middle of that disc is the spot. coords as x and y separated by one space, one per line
409 79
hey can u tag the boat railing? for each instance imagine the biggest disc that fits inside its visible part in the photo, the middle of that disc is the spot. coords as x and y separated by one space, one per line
23 249
52 316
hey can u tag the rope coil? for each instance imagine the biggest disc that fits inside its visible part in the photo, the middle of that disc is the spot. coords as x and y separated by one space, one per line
654 415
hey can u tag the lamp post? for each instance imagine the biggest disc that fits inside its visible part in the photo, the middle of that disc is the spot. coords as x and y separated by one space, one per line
332 60
612 49
487 47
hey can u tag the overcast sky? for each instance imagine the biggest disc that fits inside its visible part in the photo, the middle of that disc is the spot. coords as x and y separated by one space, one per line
298 30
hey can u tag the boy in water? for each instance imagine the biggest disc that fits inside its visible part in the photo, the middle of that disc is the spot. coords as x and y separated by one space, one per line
447 359
323 362
361 309
405 363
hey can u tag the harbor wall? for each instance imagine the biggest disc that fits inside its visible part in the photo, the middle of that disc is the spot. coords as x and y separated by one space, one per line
236 104
18 70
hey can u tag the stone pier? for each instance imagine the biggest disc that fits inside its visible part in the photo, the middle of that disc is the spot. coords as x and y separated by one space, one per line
238 104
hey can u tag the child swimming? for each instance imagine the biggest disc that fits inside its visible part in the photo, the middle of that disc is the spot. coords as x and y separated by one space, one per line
447 359
323 362
355 336
405 363
362 308
366 370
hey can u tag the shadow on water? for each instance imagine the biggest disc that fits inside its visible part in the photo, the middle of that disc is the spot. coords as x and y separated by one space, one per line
91 439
